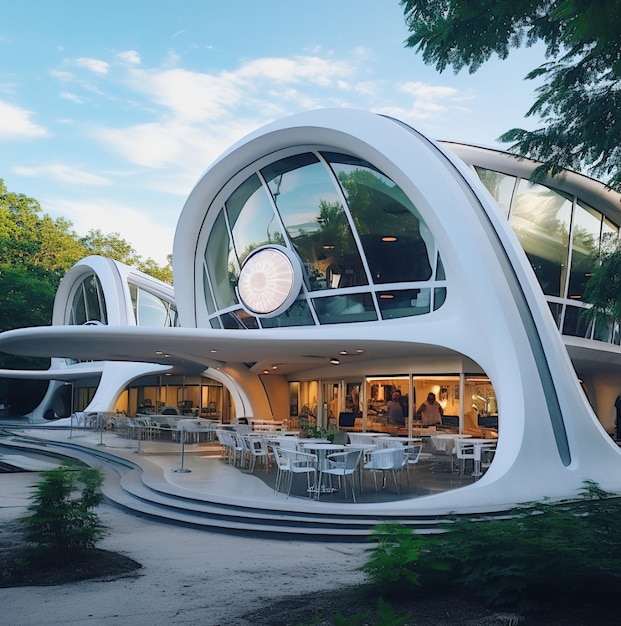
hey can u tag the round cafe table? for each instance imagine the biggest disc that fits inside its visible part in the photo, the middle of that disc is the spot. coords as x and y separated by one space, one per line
322 450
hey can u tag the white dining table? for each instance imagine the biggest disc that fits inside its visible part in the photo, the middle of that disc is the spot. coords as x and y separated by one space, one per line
322 450
402 440
446 441
478 445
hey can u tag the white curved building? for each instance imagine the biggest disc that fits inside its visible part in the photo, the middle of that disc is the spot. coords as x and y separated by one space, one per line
335 256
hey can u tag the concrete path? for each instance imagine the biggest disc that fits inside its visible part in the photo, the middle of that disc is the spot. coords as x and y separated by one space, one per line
189 576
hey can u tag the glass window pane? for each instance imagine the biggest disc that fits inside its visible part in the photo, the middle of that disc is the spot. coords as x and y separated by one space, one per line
603 330
574 323
501 186
404 303
252 218
93 293
133 294
298 314
439 297
173 315
311 210
78 308
397 244
540 218
222 272
584 244
610 235
347 308
151 310
238 319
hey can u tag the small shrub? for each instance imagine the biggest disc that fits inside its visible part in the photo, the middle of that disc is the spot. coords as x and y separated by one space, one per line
62 522
392 564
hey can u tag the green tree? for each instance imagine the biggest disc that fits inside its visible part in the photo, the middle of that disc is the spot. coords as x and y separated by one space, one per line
62 522
579 99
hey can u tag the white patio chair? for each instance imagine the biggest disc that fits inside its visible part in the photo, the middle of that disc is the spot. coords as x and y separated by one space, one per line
301 463
342 464
412 457
464 451
283 467
386 460
258 450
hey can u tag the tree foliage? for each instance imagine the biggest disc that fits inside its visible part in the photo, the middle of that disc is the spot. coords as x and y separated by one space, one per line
580 96
37 250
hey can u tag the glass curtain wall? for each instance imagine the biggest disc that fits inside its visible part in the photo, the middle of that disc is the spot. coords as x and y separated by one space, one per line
561 236
365 251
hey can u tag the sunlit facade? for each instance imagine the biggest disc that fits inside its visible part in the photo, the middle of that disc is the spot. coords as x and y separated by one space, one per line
335 257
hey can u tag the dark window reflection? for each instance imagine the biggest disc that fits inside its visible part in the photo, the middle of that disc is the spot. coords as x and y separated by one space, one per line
221 266
396 244
584 244
574 324
298 314
238 319
345 308
311 210
404 303
252 218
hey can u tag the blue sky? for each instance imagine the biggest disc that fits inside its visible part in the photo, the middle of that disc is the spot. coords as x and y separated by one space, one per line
111 111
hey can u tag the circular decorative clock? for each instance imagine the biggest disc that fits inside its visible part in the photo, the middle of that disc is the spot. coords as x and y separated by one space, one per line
269 281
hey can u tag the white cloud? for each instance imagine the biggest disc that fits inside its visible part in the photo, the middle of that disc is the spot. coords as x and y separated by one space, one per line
94 65
65 95
131 57
62 173
432 100
195 116
62 75
15 123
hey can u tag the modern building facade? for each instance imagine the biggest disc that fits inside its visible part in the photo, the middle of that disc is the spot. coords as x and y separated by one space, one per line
336 256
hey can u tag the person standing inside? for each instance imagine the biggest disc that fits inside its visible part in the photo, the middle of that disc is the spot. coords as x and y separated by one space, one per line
431 411
395 410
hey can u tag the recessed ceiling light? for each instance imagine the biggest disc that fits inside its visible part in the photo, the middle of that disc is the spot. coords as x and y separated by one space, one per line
389 238
335 361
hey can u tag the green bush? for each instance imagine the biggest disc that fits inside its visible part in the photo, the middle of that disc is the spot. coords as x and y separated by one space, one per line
541 550
62 522
393 564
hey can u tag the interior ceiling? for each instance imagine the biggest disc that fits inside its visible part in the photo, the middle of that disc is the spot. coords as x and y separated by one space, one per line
195 349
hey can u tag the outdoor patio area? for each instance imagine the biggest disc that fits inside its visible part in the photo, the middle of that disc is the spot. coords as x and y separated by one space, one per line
197 465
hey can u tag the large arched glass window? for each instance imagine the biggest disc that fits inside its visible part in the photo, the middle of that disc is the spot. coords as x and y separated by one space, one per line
363 250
